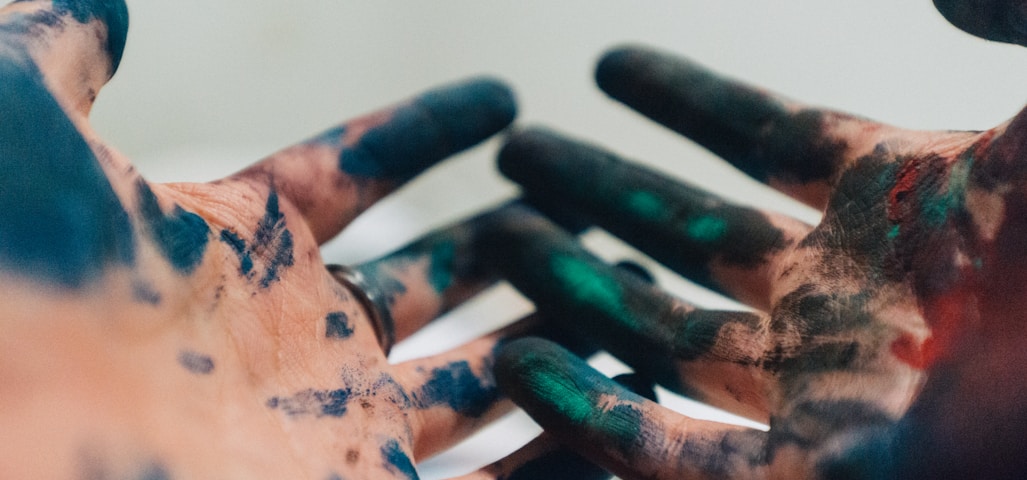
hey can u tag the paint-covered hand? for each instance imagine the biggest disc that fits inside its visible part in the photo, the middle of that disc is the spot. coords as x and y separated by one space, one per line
886 341
192 330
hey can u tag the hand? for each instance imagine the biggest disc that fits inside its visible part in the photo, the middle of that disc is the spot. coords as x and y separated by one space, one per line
192 330
884 342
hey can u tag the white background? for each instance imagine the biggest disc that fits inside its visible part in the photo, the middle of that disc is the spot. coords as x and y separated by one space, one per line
207 87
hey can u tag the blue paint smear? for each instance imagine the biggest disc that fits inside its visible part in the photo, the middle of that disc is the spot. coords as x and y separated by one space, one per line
319 403
432 127
62 222
273 241
155 471
181 236
397 461
197 363
338 325
458 387
238 245
145 293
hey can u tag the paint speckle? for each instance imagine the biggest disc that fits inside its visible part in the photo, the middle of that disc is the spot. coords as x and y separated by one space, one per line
145 293
197 363
397 461
338 325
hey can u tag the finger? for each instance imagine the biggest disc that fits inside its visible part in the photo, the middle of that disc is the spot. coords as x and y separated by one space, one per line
454 393
629 435
798 150
338 174
61 39
544 458
998 20
436 273
735 250
716 357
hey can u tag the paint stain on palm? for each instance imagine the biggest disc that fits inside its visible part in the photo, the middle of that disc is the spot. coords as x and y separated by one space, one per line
337 325
317 403
271 248
195 362
181 236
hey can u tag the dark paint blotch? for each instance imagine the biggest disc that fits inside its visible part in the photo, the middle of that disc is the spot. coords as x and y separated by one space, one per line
63 223
145 293
397 461
195 362
458 387
273 241
238 245
181 236
338 325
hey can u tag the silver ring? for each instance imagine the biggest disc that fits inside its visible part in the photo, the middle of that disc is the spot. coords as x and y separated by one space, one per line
369 294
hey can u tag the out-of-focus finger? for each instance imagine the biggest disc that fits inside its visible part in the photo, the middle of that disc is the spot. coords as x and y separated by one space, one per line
799 150
338 174
736 250
998 20
625 433
714 357
74 46
544 458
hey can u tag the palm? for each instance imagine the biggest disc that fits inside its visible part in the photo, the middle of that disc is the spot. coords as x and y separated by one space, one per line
192 330
869 333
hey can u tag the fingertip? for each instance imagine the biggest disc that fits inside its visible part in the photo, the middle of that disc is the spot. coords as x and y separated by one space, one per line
472 110
996 20
434 125
618 65
114 13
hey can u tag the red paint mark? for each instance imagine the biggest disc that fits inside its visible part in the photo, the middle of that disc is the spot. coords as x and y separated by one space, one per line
918 355
905 183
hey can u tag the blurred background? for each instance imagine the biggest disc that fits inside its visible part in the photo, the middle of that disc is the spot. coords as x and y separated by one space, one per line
206 88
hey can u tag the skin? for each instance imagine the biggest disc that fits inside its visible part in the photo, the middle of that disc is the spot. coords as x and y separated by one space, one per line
884 342
160 331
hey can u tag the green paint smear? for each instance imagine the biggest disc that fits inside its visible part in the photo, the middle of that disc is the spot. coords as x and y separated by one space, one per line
568 401
440 273
589 287
646 205
706 229
894 233
937 208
